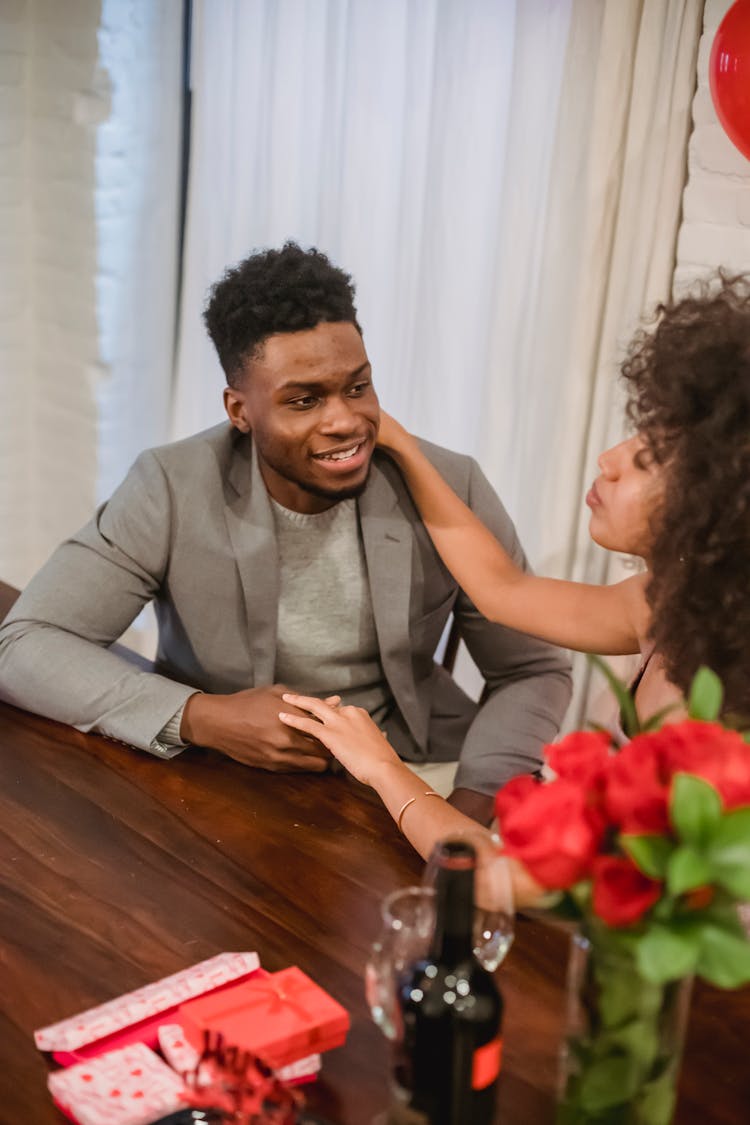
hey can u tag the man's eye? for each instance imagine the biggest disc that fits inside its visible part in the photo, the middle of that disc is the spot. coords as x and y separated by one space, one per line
303 403
359 388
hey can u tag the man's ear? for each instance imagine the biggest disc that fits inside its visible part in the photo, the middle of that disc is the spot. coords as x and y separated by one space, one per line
236 408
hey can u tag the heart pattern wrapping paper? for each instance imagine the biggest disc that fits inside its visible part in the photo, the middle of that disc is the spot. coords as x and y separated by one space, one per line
131 1086
134 1007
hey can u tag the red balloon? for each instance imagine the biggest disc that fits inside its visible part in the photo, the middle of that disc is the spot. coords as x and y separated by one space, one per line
729 75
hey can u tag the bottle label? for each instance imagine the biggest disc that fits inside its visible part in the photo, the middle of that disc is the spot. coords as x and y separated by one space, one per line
486 1066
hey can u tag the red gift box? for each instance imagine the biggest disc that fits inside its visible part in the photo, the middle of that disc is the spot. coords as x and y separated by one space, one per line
281 1017
136 1016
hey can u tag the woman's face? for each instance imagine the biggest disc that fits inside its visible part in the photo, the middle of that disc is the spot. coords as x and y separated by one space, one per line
624 497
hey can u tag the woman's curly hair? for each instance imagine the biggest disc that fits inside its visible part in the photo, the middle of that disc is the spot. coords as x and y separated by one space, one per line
286 290
688 381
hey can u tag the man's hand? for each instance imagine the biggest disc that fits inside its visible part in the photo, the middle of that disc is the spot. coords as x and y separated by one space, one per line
348 732
478 806
246 726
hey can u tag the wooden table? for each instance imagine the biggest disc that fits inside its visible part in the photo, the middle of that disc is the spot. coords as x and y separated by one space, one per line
117 868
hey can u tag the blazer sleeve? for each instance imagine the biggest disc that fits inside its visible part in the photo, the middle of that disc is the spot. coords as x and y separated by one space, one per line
528 681
55 656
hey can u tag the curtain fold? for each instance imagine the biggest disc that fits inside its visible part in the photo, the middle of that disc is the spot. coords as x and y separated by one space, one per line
635 175
377 130
503 180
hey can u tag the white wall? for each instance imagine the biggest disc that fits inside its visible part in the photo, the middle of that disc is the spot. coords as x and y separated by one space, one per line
15 284
89 89
715 230
89 136
48 338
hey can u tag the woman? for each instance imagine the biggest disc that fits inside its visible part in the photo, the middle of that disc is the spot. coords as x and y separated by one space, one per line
677 494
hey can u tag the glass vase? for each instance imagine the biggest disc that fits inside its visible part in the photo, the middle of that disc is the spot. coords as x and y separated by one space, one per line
624 1037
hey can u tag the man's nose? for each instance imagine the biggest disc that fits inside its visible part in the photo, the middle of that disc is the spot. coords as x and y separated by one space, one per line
339 415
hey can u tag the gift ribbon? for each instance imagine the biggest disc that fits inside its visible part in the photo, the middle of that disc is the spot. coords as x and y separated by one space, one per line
279 991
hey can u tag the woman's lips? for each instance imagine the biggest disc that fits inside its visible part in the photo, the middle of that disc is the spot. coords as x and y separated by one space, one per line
593 499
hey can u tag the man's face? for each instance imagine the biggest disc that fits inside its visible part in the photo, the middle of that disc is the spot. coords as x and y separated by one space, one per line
308 399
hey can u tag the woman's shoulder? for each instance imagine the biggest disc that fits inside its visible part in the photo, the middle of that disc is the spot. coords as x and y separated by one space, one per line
633 592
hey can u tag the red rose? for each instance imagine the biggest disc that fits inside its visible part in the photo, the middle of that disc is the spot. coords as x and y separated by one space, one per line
721 757
637 788
622 894
581 757
550 829
514 791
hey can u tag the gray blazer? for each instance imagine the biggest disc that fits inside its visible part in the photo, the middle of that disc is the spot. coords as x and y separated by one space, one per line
191 528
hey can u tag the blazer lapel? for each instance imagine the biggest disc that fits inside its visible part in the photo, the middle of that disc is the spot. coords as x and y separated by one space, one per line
388 548
252 532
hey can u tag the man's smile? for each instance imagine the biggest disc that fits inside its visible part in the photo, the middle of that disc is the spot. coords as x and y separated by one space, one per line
348 455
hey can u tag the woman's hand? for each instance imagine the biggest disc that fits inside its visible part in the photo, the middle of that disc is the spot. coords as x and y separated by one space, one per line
392 437
348 732
355 740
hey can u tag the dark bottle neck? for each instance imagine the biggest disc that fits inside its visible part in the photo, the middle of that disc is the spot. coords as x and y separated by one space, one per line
453 940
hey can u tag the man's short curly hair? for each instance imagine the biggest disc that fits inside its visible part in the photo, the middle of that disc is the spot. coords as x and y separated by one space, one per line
286 290
688 381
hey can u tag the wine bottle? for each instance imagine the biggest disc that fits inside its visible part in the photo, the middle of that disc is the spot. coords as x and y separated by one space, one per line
448 1060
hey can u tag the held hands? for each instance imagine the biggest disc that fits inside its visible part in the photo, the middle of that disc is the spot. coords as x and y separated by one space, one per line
355 740
245 726
348 732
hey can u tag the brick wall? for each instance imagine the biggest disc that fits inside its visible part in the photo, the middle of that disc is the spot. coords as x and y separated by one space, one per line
89 94
715 229
15 288
90 136
47 412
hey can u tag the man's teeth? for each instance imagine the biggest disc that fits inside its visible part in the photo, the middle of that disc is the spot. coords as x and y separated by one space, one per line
344 455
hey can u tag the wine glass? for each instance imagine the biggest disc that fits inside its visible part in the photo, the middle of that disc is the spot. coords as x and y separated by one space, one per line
407 926
494 913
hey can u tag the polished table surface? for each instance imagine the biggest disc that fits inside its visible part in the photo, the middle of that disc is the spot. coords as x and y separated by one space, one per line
117 868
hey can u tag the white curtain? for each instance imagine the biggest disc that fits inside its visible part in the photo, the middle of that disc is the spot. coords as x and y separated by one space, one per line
631 183
137 206
377 130
503 180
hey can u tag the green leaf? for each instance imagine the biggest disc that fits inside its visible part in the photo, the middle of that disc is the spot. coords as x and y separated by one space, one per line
729 853
733 876
695 808
617 1001
706 694
733 832
655 721
609 1082
656 1102
687 870
668 953
663 910
724 958
649 853
638 1038
629 715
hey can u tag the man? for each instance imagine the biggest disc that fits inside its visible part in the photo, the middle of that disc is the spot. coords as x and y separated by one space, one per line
281 551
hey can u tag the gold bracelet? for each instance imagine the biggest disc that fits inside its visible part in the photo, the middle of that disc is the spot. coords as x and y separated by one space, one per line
411 800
